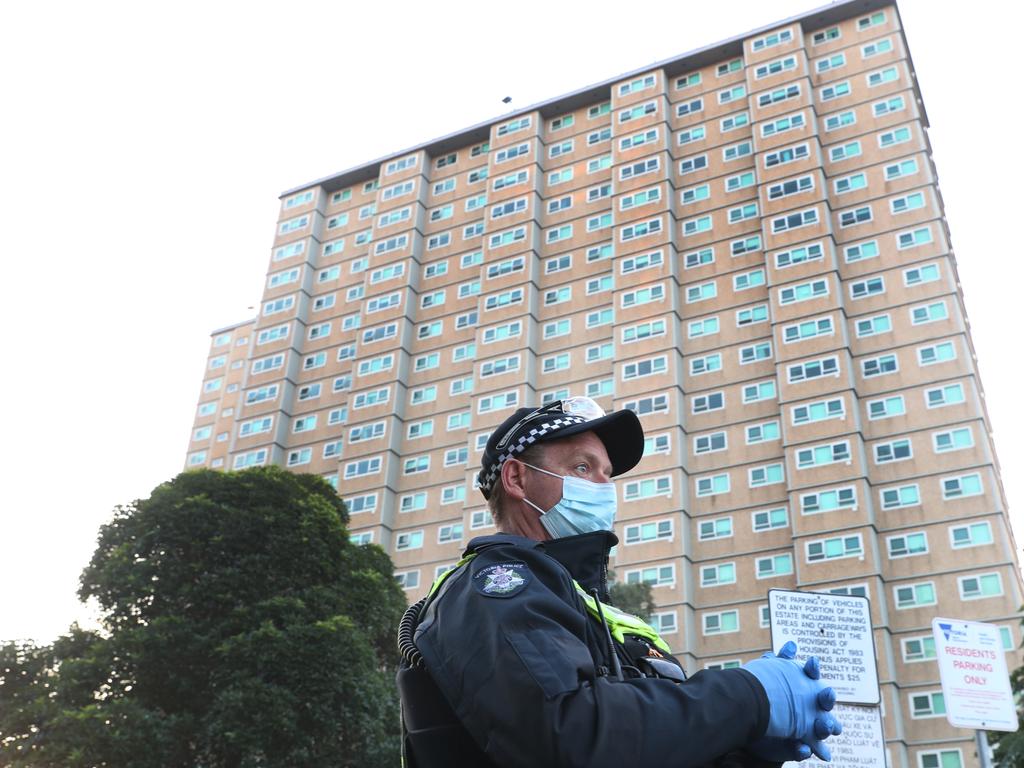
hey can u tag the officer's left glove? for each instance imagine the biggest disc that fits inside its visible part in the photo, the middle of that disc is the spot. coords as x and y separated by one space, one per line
798 720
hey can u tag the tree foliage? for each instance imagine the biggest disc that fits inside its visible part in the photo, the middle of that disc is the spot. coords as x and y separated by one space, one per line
633 598
241 628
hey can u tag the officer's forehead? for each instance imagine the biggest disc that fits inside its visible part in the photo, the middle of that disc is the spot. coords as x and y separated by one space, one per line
586 445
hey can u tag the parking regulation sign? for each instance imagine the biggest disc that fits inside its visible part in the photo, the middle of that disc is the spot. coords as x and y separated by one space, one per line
836 629
975 683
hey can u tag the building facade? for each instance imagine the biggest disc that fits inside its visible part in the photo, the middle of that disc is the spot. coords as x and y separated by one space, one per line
745 245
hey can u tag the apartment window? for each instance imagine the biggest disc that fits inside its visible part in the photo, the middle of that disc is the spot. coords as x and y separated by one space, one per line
888 106
554 363
656 576
810 329
924 274
697 133
691 164
691 107
834 548
896 136
721 623
882 76
791 187
863 289
928 313
813 369
718 575
787 155
563 148
701 292
820 455
779 95
769 474
764 390
780 125
597 137
736 151
695 194
699 258
510 153
731 123
879 366
980 586
641 262
907 544
601 388
828 500
936 353
761 433
250 459
855 216
362 467
953 440
861 251
711 402
710 443
767 519
886 407
946 758
643 296
598 193
924 705
752 315
705 364
712 485
599 352
654 531
755 352
705 327
918 648
907 203
872 326
901 496
964 485
896 450
719 528
775 565
830 63
796 220
555 328
972 535
638 139
874 20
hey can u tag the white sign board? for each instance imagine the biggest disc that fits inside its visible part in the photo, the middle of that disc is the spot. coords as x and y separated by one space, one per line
975 683
860 745
836 629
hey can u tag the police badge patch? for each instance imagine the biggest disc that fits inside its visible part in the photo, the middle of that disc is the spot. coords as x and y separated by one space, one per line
502 579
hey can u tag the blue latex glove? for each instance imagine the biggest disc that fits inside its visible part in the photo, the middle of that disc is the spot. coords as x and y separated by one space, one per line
798 721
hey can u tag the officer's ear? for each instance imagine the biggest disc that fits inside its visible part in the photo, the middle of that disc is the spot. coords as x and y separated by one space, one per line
513 479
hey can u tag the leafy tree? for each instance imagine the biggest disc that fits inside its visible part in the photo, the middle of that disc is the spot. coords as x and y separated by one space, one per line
241 628
632 598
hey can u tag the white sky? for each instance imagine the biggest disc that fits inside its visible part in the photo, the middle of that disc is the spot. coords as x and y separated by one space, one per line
144 147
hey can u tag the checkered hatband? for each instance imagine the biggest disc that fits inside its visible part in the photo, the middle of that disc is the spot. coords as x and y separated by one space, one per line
488 475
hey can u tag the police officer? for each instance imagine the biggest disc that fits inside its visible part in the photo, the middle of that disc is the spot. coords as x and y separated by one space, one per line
515 657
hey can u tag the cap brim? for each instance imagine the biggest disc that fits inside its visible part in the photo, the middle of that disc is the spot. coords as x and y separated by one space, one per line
621 433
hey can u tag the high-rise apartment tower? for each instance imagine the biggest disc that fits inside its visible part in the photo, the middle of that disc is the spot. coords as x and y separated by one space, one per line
746 245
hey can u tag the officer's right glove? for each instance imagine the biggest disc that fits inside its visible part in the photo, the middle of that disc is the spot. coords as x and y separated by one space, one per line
798 720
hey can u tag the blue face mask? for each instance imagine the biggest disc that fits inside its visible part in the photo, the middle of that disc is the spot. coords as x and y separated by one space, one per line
584 507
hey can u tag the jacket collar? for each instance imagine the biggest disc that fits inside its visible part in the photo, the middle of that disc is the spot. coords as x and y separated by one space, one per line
585 556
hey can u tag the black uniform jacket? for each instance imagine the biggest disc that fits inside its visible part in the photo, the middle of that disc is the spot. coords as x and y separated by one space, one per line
510 645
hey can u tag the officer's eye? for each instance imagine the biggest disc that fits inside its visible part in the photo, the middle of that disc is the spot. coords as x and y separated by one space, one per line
582 468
